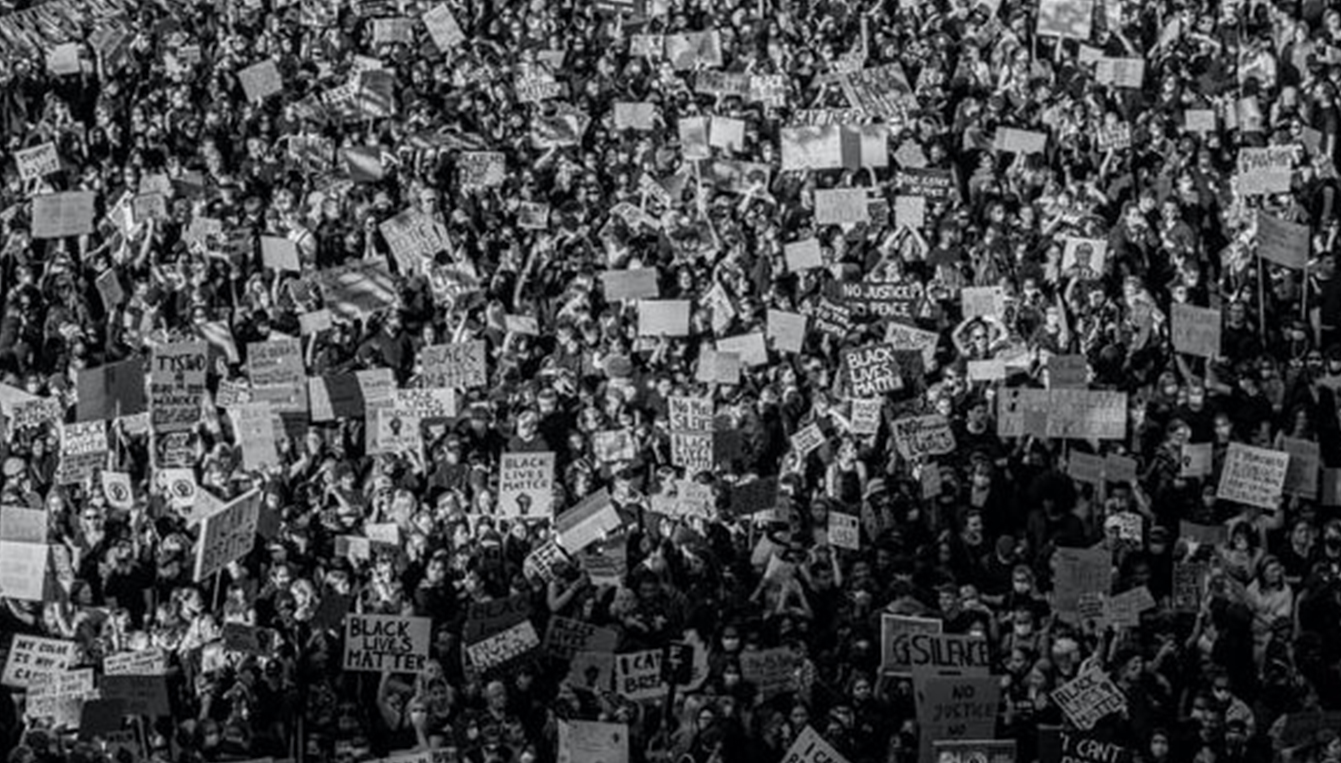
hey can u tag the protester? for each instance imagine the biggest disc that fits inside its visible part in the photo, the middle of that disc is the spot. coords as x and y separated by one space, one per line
653 380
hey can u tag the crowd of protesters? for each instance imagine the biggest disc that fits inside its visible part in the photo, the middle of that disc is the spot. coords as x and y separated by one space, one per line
1248 670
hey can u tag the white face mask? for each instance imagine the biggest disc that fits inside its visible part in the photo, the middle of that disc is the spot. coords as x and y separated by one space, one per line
1021 588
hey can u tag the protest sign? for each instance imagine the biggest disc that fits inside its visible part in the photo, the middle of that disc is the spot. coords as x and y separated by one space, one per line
443 27
1196 459
803 255
1121 72
769 89
376 643
1086 414
261 80
498 649
38 412
810 747
973 751
664 317
533 216
613 445
636 283
458 366
1088 698
1301 478
1200 120
910 211
482 169
254 428
954 708
1188 585
1084 259
872 370
58 215
718 367
565 637
921 436
639 116
1210 535
23 569
33 659
935 184
787 330
587 522
176 385
543 561
866 415
59 696
841 206
1065 18
1253 476
1196 330
109 289
638 675
1009 139
1085 467
726 133
1078 571
1284 243
526 485
1265 170
227 535
23 525
142 694
947 654
769 670
881 91
358 290
151 662
83 451
1067 371
807 439
900 301
39 161
844 530
694 49
593 742
985 301
414 237
750 348
115 390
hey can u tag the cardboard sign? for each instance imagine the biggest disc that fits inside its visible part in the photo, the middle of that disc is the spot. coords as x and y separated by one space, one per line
526 485
544 561
254 427
803 255
1080 571
23 569
1011 140
900 301
227 535
718 367
60 696
141 694
58 215
443 27
787 330
1188 585
639 283
948 654
38 161
638 675
498 649
1065 18
1253 476
921 436
770 670
37 412
482 169
22 525
1263 171
810 747
639 116
176 385
841 206
414 237
376 643
844 530
1067 372
260 81
83 451
872 370
665 317
1281 242
983 301
458 366
807 439
1196 330
32 660
593 742
1301 478
954 708
1121 72
151 662
566 637
750 348
866 415
587 522
1196 459
1088 698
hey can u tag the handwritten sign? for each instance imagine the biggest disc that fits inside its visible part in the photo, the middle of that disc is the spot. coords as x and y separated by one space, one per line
459 365
872 370
921 436
261 80
227 535
33 659
1088 698
841 206
1253 476
638 675
955 708
526 485
58 215
844 530
498 649
1264 171
1305 465
376 643
38 161
1284 243
1196 330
